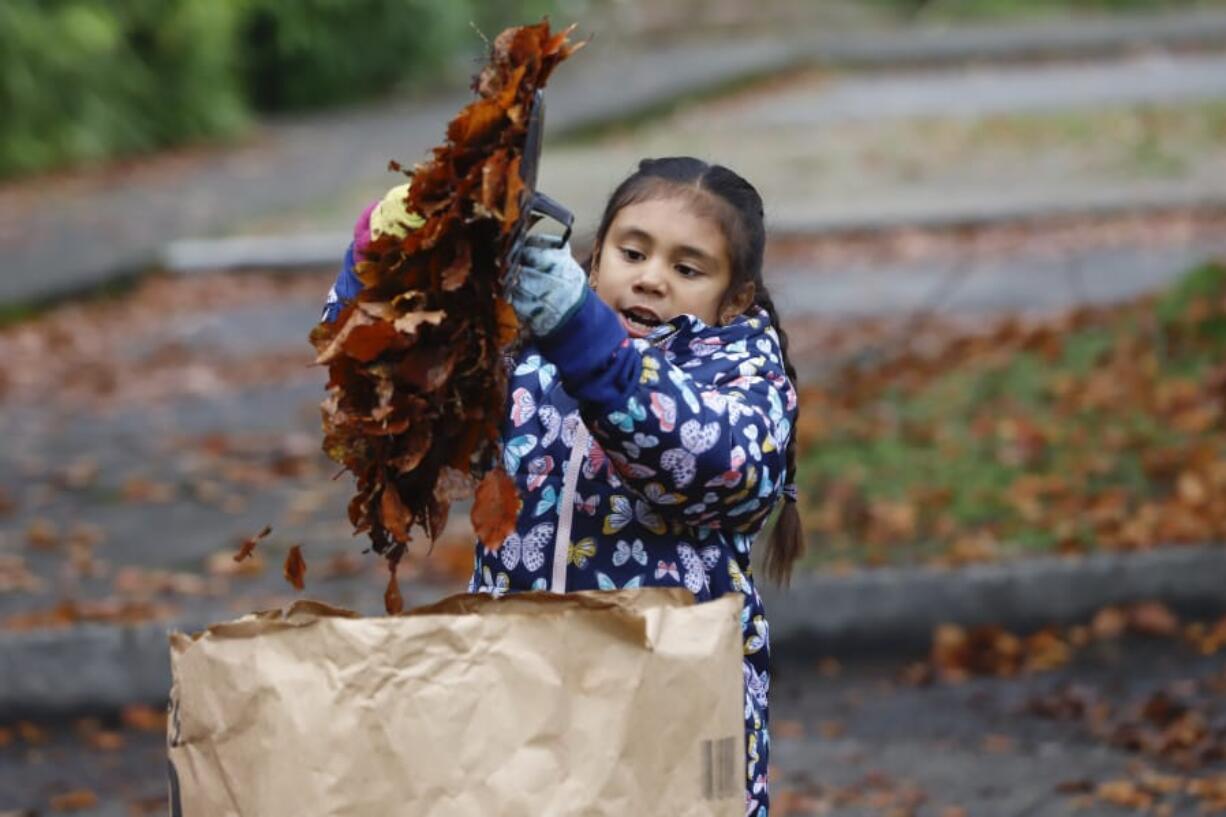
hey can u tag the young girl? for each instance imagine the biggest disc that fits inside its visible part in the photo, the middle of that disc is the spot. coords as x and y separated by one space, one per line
649 425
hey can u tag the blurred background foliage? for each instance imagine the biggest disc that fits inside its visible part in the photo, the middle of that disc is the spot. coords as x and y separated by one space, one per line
84 80
1010 9
88 80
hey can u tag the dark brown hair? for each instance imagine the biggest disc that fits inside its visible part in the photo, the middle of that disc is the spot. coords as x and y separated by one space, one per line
734 204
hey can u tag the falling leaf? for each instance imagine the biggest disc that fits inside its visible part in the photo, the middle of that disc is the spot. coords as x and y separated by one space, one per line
295 568
495 508
248 546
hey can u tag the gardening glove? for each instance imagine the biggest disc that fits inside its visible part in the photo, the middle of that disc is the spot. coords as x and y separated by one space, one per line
546 285
387 216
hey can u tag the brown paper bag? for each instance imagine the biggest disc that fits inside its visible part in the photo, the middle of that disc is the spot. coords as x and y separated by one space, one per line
623 703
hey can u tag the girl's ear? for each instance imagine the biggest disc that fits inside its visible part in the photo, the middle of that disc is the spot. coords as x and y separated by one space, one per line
593 272
736 303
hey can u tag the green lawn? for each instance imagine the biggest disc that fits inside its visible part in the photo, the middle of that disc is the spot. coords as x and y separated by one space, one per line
989 10
1108 433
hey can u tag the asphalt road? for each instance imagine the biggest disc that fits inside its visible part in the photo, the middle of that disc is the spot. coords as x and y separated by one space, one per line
850 739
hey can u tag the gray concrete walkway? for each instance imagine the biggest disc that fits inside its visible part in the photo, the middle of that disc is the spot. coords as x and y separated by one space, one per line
59 234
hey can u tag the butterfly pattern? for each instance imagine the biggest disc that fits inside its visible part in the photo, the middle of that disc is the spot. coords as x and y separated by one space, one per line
677 479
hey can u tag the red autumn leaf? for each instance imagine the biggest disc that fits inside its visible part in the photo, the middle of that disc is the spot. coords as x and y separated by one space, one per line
295 568
393 602
248 546
495 508
416 383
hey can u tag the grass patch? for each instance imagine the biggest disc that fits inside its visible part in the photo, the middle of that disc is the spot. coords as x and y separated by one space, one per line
991 10
1106 431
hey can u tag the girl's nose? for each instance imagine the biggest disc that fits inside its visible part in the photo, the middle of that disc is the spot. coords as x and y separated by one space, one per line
650 281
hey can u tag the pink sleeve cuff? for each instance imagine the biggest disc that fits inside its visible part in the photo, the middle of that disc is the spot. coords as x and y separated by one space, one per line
361 228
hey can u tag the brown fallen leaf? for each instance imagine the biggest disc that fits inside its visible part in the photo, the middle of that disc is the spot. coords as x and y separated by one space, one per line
1154 619
495 508
998 744
248 546
76 800
42 534
143 718
1109 623
157 804
142 489
31 733
1078 786
295 568
1124 793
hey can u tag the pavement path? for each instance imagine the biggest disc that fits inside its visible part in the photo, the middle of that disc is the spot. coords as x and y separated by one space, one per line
850 741
72 232
978 90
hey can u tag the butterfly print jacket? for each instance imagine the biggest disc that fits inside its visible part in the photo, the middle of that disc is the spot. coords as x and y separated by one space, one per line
648 462
651 462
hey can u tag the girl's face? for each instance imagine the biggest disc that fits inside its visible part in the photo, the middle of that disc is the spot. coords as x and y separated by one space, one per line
659 260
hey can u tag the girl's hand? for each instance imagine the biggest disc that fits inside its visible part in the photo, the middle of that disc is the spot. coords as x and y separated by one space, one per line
546 286
386 216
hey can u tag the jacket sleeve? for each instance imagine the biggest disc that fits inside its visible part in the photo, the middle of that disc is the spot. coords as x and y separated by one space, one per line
710 455
343 290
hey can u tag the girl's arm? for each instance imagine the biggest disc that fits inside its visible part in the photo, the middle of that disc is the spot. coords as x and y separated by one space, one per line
710 455
388 215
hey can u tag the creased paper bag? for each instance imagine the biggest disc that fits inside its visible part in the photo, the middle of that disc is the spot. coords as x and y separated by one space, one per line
623 703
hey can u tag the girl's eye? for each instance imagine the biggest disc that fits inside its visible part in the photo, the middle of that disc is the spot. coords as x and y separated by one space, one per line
688 272
631 254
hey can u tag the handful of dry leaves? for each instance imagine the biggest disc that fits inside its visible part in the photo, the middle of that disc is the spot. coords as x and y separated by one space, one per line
416 385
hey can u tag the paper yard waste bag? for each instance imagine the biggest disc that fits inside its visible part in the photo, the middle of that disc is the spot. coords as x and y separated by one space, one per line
622 703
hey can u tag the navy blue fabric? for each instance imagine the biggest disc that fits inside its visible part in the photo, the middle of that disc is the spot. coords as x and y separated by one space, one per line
347 286
585 350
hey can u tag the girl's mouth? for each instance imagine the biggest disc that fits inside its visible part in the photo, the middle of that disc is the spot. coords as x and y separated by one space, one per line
639 321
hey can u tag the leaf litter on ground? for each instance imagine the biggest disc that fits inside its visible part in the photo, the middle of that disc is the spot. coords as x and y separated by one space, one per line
1102 429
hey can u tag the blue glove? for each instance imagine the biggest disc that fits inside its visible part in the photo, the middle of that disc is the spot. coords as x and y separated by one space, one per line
546 285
